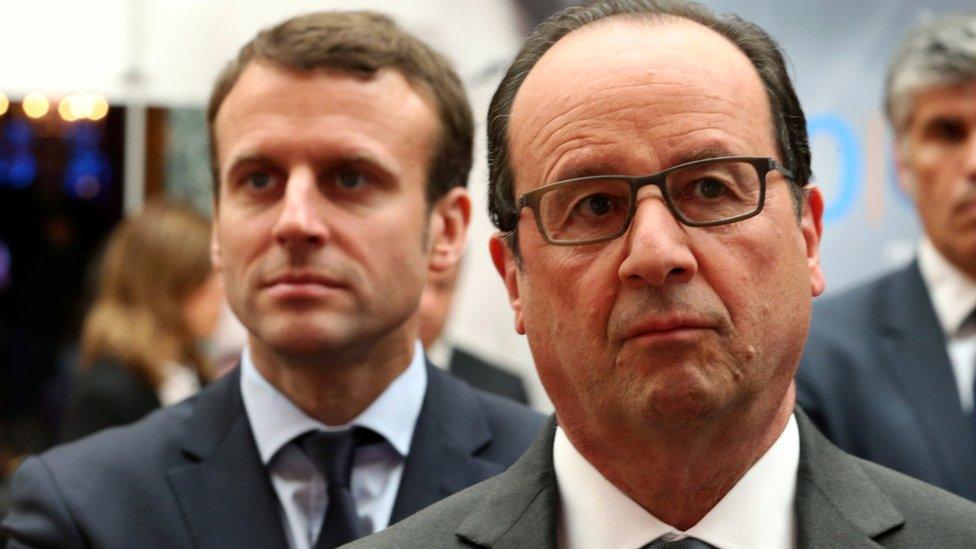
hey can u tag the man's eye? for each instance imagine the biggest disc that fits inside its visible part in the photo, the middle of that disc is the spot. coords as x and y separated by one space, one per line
258 180
351 179
949 131
709 189
596 205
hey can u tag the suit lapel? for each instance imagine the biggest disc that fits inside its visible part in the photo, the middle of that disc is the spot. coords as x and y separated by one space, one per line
915 351
837 504
450 431
225 493
520 507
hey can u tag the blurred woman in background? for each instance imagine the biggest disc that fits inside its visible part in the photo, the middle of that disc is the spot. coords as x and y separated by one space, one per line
158 300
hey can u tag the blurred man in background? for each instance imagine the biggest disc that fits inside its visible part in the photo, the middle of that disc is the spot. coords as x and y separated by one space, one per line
435 310
659 244
341 147
888 373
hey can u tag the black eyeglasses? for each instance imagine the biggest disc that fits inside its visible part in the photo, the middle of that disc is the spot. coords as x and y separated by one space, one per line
703 193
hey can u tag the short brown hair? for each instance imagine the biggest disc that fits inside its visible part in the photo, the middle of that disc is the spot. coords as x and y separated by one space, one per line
362 42
762 51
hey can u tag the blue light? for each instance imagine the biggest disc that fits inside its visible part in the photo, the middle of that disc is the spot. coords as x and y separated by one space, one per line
851 160
85 135
23 171
87 174
18 133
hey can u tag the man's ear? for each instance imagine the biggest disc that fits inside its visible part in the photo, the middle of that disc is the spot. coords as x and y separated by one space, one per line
906 177
449 221
811 225
215 257
505 263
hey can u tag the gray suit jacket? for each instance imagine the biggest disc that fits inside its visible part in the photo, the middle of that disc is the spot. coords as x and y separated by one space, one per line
841 502
876 379
190 475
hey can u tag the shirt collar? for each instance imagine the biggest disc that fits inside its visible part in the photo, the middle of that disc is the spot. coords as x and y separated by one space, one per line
953 293
439 354
276 421
756 512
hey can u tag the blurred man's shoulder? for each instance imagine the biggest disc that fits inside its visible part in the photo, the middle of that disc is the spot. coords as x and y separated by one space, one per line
930 512
513 425
867 295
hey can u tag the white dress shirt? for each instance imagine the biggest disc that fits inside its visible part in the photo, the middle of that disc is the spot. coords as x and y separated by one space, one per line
953 296
179 382
757 513
377 469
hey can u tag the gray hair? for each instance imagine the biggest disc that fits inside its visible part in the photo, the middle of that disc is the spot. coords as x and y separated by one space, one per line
941 52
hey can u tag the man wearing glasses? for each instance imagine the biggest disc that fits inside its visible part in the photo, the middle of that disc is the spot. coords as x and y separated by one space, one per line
667 312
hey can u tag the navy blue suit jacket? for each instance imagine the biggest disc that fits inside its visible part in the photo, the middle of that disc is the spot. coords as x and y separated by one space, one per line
190 475
876 378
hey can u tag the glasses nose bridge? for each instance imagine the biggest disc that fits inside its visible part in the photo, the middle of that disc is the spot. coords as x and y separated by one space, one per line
641 188
643 193
641 183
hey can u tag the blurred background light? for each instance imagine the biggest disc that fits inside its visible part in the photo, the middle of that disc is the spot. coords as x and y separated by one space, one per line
87 187
65 110
84 135
36 105
81 106
4 103
18 133
99 108
22 171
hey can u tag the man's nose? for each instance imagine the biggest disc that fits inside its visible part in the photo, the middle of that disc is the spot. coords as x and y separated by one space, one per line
301 222
658 247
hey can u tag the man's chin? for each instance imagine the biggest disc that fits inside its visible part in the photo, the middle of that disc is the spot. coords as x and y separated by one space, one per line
302 340
684 394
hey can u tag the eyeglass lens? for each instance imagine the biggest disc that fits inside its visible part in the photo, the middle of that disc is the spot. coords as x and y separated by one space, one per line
595 208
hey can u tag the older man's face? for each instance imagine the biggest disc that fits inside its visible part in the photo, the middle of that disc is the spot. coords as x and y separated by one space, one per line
667 323
938 167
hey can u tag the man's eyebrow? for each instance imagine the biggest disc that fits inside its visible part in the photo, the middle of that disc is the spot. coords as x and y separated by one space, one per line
587 170
359 157
704 154
252 158
606 168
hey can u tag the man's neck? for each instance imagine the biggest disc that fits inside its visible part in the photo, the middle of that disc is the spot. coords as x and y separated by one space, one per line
680 476
337 388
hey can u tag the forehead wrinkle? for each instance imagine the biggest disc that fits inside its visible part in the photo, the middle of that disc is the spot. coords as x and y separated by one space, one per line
570 152
556 152
592 110
611 95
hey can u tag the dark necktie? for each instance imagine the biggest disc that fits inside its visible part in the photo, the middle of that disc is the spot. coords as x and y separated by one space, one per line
333 453
687 543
